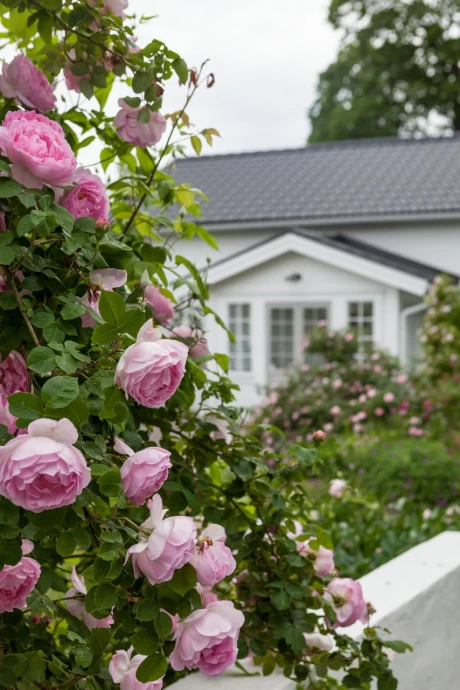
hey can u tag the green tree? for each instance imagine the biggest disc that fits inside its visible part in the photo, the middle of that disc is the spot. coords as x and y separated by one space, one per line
396 70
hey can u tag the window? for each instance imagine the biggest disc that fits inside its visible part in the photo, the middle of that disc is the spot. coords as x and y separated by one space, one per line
361 318
240 326
282 338
289 327
312 318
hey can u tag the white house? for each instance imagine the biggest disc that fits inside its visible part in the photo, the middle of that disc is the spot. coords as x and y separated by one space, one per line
349 233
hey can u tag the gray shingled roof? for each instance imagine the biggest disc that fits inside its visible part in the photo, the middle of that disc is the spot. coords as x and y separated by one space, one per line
330 183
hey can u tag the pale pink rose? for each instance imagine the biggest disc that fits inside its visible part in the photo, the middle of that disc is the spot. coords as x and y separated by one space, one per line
415 431
212 560
223 429
37 149
21 79
13 379
305 367
207 639
316 640
371 393
139 133
379 412
207 595
337 488
335 410
338 383
88 198
349 337
75 604
72 80
319 436
388 397
17 581
150 371
162 307
42 470
123 668
116 7
195 340
346 598
322 558
170 544
415 420
144 472
101 279
402 378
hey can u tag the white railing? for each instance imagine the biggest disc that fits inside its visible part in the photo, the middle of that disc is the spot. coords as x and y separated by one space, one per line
417 597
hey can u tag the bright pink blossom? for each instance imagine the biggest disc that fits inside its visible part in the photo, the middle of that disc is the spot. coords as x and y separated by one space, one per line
21 79
42 470
212 559
207 639
322 558
37 149
144 472
140 134
88 197
123 668
195 340
150 371
337 488
13 379
75 604
346 598
17 581
162 307
170 544
101 279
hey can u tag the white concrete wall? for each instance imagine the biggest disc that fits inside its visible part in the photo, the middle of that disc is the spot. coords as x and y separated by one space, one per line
417 597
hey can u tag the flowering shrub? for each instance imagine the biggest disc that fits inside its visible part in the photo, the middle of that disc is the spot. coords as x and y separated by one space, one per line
142 536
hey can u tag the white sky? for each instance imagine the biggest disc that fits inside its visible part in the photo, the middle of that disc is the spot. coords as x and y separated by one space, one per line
266 56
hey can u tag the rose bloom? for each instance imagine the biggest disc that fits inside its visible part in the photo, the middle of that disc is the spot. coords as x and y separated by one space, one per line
388 397
170 545
212 559
322 558
13 379
379 412
123 668
337 488
101 279
17 581
76 606
199 344
206 594
143 473
42 470
88 198
335 410
207 639
116 7
37 149
21 79
72 81
346 598
162 307
150 371
140 134
315 640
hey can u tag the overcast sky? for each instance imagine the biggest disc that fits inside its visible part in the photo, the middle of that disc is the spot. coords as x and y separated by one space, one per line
266 56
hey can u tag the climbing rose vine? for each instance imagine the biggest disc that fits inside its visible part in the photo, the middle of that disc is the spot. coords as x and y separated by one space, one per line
144 531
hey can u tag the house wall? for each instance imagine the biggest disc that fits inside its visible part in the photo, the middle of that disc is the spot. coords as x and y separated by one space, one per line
266 286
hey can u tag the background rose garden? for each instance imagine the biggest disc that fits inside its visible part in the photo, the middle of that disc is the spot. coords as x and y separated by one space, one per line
144 532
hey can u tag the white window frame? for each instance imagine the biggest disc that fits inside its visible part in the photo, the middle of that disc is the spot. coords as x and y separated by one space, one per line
240 338
357 322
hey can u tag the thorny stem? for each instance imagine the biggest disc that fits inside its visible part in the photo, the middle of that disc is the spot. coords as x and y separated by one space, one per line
23 313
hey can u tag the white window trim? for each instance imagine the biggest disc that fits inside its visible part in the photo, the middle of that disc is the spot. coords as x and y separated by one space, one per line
244 373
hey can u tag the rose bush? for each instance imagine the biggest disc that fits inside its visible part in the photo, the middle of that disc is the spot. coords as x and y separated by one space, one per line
92 373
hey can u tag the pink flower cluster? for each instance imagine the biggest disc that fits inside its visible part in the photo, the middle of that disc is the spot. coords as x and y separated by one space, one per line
75 604
17 581
123 668
22 80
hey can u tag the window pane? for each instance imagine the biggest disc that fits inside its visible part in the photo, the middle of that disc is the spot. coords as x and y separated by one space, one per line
353 309
367 309
361 318
240 325
282 340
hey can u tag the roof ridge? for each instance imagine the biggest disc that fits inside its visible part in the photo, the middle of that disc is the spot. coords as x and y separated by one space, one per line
331 145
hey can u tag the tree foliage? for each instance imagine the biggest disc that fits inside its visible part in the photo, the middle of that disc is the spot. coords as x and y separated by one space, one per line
396 71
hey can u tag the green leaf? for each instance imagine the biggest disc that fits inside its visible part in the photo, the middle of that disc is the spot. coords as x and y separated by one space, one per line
83 656
268 665
72 311
41 359
197 144
65 219
183 580
9 188
147 610
151 669
281 600
111 307
60 391
132 322
398 646
141 81
104 334
387 682
42 318
25 406
48 519
65 544
9 513
105 597
144 642
53 334
180 67
163 624
109 483
68 363
132 101
6 254
98 640
143 116
6 237
7 678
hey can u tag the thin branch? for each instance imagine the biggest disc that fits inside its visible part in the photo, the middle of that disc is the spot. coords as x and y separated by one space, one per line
23 313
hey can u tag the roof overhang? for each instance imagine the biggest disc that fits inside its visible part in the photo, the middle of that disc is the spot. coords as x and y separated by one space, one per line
304 246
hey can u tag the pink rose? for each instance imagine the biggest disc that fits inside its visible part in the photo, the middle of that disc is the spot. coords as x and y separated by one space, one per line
170 544
207 595
21 79
207 639
123 668
212 560
88 198
101 279
335 410
150 371
42 470
75 604
116 7
17 581
322 558
337 488
162 307
13 379
379 412
198 347
346 598
388 397
143 473
316 640
140 134
37 149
